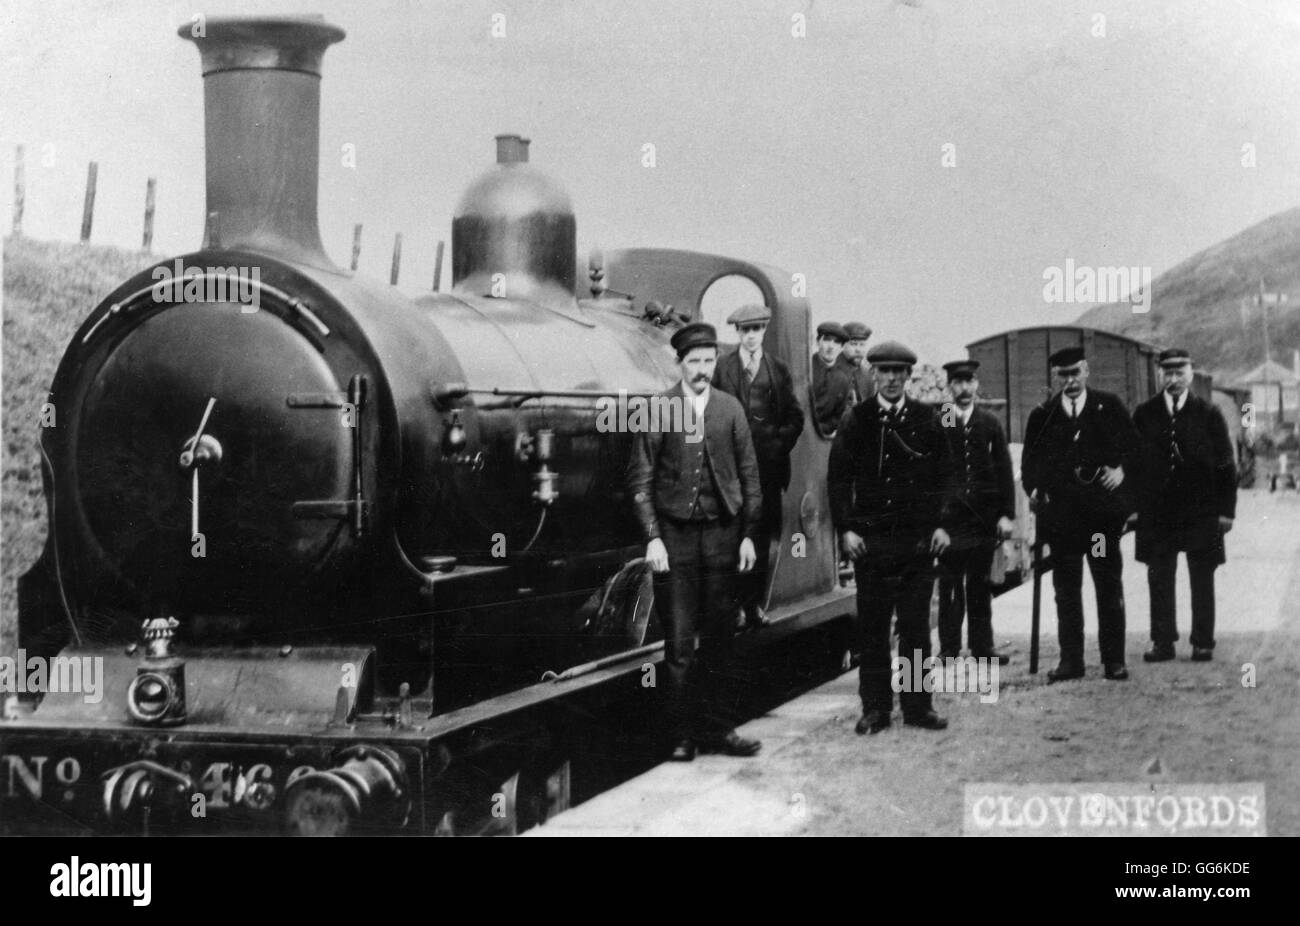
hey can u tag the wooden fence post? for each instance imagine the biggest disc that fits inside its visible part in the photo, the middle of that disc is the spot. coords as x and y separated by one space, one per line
20 191
147 243
88 210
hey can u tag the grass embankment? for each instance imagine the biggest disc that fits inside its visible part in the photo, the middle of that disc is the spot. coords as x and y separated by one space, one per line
49 289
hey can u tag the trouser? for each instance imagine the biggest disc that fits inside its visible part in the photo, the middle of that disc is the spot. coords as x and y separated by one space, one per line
1162 573
964 587
697 596
906 589
753 586
1107 575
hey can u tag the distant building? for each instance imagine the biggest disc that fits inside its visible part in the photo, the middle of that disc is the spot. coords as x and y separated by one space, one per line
1274 391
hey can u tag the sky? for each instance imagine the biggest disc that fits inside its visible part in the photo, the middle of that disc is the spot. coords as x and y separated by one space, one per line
922 163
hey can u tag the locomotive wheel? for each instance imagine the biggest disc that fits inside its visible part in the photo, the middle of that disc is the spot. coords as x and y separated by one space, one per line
528 798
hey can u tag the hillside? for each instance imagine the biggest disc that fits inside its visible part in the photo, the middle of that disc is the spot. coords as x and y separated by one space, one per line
49 288
1198 303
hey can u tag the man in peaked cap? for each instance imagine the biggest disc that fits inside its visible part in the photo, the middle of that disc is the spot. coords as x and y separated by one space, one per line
1186 503
888 479
698 504
831 387
853 360
983 513
1080 450
765 388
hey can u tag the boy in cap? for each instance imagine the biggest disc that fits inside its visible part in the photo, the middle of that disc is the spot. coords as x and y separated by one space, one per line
888 480
698 503
831 386
1080 448
983 513
1188 499
853 360
765 388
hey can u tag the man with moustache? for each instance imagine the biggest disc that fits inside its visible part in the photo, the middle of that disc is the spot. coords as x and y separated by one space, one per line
888 480
853 361
765 388
831 387
983 513
1188 499
697 498
1080 447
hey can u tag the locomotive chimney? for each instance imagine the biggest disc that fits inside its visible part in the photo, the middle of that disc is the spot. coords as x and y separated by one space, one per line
512 149
261 96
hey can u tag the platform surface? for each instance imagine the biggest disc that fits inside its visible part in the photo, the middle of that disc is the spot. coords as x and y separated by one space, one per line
1171 722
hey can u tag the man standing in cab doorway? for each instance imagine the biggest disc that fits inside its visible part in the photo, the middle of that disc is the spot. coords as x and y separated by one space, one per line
765 388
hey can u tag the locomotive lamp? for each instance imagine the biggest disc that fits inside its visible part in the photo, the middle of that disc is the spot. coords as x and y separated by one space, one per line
157 693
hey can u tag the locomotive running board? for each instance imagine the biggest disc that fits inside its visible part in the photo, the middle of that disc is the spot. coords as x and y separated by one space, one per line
786 621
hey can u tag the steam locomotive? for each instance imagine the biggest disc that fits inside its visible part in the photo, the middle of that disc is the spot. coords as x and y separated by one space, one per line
342 552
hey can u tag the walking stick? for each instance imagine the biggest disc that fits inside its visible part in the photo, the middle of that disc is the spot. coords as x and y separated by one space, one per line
1038 604
1038 508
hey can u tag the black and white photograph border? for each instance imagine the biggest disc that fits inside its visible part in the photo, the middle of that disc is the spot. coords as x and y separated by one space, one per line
576 418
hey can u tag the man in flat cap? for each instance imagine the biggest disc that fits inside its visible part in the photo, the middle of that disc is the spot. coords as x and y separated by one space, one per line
853 360
698 504
888 478
765 388
984 511
1186 503
831 386
1080 448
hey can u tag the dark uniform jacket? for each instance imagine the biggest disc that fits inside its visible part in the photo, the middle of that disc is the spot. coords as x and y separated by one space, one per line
983 486
1061 459
666 469
861 382
889 480
830 392
771 408
1187 476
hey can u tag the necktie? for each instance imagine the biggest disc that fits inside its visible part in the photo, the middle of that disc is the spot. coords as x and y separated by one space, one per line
1074 409
751 367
